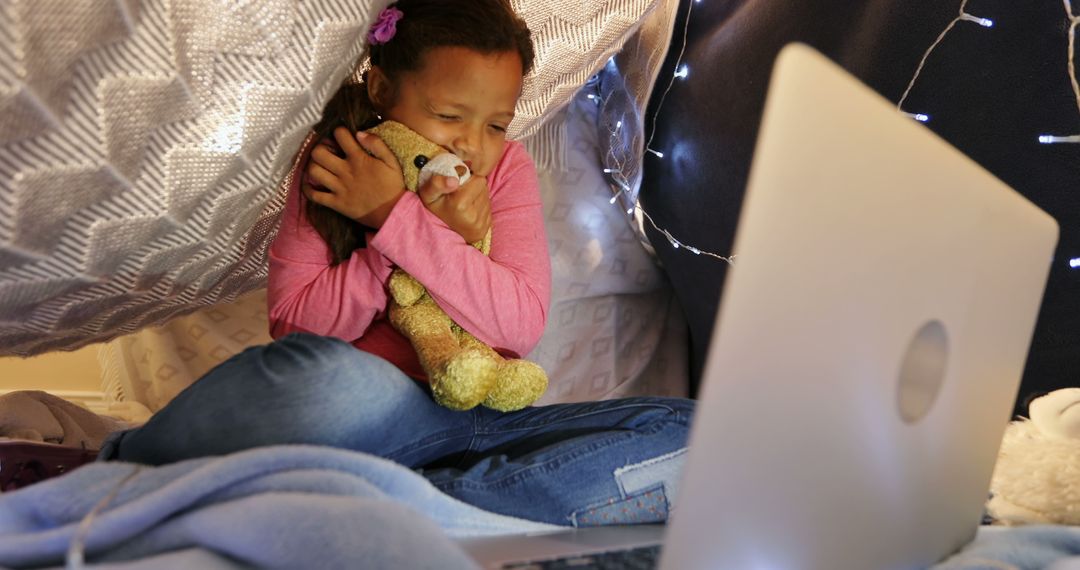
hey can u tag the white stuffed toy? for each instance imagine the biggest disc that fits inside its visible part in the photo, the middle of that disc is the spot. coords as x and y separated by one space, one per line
1037 476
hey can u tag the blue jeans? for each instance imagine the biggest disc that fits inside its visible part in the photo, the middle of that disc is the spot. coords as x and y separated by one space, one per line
615 461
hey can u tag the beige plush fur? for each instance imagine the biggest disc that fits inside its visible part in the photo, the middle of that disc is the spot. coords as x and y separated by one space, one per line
1037 476
463 371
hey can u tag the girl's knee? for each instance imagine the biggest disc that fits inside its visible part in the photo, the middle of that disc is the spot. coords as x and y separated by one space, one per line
326 367
301 356
299 352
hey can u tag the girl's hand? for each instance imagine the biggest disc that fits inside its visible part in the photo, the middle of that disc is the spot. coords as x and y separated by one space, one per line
363 185
466 208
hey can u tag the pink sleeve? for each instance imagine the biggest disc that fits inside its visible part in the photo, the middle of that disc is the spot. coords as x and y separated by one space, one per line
305 293
502 299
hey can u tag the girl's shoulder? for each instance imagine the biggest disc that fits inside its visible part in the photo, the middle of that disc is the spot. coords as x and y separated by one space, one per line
515 161
514 147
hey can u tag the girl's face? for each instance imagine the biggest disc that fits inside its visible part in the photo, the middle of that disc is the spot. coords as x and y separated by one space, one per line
460 99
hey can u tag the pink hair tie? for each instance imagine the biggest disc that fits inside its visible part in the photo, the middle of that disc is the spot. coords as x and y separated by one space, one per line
385 26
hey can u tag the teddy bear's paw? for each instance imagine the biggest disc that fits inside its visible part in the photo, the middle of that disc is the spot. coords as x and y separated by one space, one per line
1057 414
465 380
519 384
405 290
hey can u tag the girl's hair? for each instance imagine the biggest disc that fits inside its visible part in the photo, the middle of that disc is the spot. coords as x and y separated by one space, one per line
486 26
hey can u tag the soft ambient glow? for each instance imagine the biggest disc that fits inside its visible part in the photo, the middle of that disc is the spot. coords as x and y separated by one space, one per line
921 117
984 22
1051 139
682 72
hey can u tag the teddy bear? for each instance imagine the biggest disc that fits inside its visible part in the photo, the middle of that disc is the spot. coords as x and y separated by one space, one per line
1037 476
463 371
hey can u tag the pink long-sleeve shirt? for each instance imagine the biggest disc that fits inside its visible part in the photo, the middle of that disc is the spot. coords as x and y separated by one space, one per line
502 299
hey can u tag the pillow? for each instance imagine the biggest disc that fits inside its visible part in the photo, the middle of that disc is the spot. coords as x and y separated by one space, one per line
154 364
144 144
614 328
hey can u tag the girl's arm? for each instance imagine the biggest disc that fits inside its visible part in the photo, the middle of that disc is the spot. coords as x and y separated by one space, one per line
306 294
502 299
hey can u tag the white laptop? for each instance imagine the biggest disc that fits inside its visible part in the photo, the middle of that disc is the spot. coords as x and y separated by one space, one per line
867 352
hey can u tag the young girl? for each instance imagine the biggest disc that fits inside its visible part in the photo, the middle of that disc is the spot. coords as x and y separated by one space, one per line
439 75
451 70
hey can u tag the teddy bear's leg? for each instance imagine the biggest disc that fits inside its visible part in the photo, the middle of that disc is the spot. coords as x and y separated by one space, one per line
404 288
460 377
519 382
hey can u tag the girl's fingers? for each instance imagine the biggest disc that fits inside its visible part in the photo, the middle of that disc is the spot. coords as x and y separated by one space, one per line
325 157
320 176
320 198
437 187
472 193
375 146
347 142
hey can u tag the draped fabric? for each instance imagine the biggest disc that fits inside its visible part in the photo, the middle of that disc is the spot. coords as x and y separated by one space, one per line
143 143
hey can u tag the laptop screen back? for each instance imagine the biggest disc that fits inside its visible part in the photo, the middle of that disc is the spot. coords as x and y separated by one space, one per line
869 344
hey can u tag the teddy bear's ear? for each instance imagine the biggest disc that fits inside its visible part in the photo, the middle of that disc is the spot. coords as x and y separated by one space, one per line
1033 396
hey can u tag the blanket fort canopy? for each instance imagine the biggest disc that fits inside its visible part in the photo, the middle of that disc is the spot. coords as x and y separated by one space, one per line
143 143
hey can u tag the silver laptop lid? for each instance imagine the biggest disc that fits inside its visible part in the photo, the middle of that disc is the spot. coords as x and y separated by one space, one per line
869 344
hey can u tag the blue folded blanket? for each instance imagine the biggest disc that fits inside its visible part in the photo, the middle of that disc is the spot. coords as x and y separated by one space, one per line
1019 548
274 507
317 507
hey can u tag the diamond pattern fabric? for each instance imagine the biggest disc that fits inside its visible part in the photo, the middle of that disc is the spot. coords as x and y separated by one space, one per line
143 144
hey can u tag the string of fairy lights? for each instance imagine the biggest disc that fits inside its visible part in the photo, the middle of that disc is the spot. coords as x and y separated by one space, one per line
621 183
616 170
1074 20
962 17
965 16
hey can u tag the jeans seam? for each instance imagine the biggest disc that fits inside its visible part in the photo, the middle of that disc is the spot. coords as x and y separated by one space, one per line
547 465
470 449
430 441
678 417
551 463
439 438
